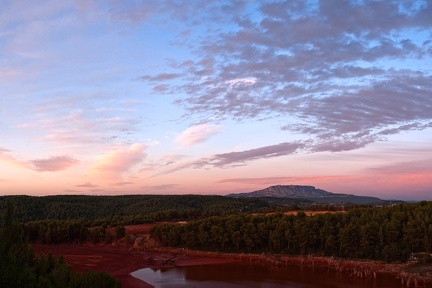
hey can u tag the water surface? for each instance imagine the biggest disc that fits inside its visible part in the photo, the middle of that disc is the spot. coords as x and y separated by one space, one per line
245 274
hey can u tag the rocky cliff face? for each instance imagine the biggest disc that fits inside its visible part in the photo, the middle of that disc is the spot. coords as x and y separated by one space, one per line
286 191
310 193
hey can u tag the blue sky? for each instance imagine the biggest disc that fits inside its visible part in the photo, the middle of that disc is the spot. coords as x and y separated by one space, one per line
215 97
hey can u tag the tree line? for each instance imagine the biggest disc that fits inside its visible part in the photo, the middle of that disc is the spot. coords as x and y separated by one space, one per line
381 233
127 209
20 267
69 231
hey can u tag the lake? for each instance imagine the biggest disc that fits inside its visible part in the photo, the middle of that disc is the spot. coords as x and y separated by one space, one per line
246 274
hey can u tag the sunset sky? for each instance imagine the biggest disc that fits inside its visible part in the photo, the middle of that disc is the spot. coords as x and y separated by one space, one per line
214 97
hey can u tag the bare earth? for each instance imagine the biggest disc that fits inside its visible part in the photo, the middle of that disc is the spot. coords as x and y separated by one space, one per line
120 261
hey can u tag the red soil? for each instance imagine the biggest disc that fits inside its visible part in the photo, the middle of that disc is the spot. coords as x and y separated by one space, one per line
113 260
121 261
312 213
140 229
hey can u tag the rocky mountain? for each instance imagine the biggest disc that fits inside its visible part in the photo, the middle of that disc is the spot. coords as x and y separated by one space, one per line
312 194
286 191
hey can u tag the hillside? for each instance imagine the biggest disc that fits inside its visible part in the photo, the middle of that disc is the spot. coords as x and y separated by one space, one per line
312 194
129 208
285 191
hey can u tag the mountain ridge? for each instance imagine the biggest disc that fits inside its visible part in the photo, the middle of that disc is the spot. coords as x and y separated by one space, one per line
310 193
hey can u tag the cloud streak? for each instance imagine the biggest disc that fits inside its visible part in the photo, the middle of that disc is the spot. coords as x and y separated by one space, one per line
160 188
238 158
113 165
52 164
328 77
241 157
315 79
86 185
10 160
197 134
281 180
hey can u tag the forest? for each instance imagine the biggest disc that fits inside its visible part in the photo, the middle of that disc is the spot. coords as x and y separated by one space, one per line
389 233
223 224
128 209
20 267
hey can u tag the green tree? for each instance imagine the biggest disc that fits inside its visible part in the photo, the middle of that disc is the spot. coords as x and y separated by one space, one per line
120 232
19 267
16 256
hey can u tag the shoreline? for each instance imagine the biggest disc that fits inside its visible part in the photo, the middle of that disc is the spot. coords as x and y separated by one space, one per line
361 269
121 261
116 261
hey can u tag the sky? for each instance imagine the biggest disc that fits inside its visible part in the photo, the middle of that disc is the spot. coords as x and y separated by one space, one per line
108 97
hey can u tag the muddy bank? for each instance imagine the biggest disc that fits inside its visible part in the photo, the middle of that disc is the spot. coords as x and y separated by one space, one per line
120 259
408 275
115 261
120 262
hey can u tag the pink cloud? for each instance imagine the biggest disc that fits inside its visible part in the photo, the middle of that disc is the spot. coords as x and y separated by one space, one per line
181 166
161 77
78 127
241 157
170 160
55 163
159 188
197 134
9 74
312 80
87 185
406 181
122 183
10 160
280 180
112 165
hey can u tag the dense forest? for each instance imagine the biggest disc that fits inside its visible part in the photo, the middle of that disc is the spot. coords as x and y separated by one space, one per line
79 219
118 210
382 233
217 223
20 267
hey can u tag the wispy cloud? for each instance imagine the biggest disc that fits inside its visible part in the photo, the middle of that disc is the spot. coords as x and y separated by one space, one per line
79 127
241 157
10 160
51 164
161 77
409 167
298 76
407 180
281 180
160 188
86 185
55 163
327 77
122 183
166 161
111 167
238 158
197 134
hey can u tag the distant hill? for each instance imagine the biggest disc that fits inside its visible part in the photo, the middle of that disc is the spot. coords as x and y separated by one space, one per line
127 208
286 191
312 194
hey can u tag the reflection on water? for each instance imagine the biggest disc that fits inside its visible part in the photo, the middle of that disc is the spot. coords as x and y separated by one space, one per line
241 275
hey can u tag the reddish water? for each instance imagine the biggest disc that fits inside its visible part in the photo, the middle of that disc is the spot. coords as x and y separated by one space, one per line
242 275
